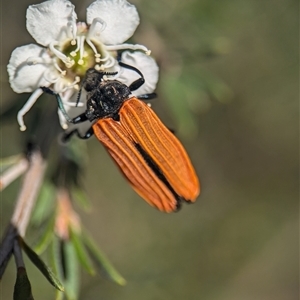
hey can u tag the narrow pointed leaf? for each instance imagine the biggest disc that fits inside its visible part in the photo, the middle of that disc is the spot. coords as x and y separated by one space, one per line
22 288
59 295
45 270
81 252
55 258
71 282
56 263
44 206
46 238
81 199
102 261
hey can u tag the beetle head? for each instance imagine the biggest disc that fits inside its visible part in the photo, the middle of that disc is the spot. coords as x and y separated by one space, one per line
104 97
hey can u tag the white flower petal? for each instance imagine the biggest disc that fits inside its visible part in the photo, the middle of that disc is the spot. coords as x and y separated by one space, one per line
48 21
143 63
24 77
121 19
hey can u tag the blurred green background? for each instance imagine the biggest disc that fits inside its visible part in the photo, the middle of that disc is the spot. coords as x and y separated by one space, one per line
229 86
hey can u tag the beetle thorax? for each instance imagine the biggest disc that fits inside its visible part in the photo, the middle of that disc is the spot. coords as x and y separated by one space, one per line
106 100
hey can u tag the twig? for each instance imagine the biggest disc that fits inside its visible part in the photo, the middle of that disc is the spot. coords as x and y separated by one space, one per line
18 254
6 248
13 172
29 191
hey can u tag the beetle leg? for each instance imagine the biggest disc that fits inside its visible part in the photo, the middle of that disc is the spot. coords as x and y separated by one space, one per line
79 119
60 103
66 136
147 96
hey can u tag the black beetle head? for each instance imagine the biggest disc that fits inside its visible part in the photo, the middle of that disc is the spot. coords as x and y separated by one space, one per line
104 97
92 79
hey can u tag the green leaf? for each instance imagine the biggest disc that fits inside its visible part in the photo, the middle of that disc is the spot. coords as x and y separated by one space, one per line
45 270
44 206
65 264
55 257
102 261
81 199
59 295
22 289
81 251
71 281
46 237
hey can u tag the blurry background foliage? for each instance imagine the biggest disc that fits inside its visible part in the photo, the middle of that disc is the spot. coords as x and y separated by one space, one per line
229 87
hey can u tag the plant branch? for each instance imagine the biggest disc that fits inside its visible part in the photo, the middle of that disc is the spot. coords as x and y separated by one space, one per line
29 191
13 172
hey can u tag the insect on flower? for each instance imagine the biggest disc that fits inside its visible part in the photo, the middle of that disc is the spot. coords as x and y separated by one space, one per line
66 49
145 150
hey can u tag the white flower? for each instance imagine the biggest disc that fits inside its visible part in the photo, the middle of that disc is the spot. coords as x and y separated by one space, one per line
69 49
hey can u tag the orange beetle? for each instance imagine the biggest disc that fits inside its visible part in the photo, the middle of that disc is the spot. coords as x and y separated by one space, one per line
145 150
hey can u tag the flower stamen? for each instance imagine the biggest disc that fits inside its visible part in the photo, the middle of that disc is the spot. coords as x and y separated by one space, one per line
62 73
97 55
34 60
67 60
92 30
128 47
73 53
81 52
72 28
30 102
71 85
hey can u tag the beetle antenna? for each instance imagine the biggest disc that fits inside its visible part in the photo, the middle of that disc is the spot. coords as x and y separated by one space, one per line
78 97
109 73
137 83
131 68
119 57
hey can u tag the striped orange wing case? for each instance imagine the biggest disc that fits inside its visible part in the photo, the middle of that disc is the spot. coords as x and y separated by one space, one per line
149 155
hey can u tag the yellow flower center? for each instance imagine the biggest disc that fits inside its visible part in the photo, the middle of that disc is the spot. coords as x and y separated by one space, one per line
81 58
